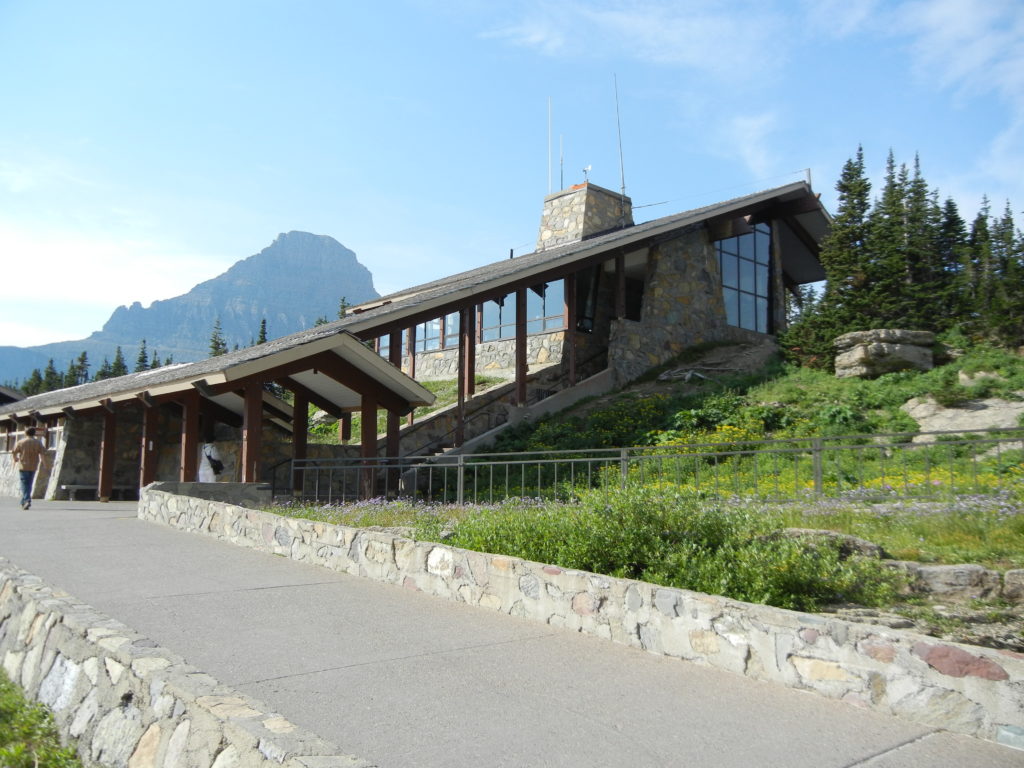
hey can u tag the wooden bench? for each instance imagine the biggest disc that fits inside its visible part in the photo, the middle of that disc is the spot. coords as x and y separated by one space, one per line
122 492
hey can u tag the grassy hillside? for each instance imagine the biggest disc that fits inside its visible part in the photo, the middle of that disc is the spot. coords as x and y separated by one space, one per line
777 401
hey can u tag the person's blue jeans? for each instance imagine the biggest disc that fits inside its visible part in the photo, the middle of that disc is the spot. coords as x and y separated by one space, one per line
26 485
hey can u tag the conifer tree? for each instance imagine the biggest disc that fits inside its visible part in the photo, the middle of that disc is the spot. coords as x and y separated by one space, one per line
33 385
142 359
118 367
262 337
217 344
103 372
51 378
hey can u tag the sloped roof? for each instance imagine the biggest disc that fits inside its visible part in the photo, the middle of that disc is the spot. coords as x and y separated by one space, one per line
235 366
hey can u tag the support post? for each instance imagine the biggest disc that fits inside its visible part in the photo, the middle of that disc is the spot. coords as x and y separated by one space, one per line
108 454
620 286
300 440
188 466
252 431
393 442
147 452
570 328
521 367
410 349
368 445
345 427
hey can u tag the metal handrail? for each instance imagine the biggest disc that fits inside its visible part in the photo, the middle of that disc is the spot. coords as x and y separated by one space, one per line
447 474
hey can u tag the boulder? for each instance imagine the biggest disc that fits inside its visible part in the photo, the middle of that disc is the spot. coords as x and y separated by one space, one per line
869 354
963 582
989 413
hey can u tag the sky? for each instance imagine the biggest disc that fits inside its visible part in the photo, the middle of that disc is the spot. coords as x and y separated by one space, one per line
148 146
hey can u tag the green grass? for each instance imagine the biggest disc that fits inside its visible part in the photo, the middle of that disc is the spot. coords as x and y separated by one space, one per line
28 738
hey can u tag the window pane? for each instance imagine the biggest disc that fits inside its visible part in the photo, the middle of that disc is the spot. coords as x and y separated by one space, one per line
728 245
731 306
554 298
535 326
747 319
763 247
385 346
761 273
746 275
534 304
489 334
554 323
762 315
491 315
451 330
746 243
729 270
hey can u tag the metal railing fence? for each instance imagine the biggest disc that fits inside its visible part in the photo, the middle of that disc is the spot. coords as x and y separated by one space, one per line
911 465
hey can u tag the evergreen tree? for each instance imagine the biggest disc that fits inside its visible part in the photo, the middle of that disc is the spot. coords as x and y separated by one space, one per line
118 367
954 256
343 306
886 299
154 361
33 385
142 359
78 371
262 337
217 344
51 378
103 372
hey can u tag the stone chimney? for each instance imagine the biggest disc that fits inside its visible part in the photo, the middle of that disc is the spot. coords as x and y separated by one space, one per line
582 211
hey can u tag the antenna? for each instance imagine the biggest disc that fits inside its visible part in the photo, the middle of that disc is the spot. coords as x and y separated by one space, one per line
618 127
549 145
586 174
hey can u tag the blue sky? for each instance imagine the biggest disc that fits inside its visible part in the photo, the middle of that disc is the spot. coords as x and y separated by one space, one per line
147 146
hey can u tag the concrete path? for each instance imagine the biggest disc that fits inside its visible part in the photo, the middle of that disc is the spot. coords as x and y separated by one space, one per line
403 679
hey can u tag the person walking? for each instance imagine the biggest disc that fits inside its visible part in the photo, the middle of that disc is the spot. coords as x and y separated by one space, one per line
28 453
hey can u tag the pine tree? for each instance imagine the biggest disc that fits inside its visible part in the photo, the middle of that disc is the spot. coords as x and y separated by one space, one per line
217 344
843 258
886 299
103 372
954 256
51 378
118 367
78 371
33 385
343 306
142 359
262 337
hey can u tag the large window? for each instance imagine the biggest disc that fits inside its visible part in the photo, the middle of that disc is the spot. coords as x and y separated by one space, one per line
498 319
545 307
745 264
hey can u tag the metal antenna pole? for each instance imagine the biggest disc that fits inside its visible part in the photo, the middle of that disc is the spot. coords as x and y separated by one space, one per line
549 145
622 165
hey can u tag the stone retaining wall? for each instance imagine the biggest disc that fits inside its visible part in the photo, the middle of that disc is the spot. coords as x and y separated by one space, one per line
971 690
130 703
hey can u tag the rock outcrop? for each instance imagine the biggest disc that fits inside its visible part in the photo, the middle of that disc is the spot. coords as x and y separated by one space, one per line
869 354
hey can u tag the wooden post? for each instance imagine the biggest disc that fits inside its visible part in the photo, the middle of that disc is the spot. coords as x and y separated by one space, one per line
300 438
108 453
410 348
467 336
188 466
252 431
570 327
368 445
521 367
620 286
147 453
394 445
345 427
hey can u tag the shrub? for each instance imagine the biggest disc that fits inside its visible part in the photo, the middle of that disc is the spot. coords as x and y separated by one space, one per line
28 738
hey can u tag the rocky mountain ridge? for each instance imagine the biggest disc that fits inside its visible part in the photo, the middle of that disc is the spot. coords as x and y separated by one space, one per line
293 281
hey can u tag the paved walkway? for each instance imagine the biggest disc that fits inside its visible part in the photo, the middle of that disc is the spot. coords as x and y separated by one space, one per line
404 679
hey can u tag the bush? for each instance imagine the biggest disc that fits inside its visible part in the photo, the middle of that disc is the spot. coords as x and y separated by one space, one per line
28 738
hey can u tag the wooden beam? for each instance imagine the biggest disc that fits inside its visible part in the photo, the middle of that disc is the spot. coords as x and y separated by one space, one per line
620 286
108 455
252 432
521 366
569 343
345 428
147 453
394 446
368 445
188 464
300 435
410 349
320 402
467 337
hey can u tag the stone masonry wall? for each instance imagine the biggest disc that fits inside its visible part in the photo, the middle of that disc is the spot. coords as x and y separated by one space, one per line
581 211
130 703
493 358
682 307
978 691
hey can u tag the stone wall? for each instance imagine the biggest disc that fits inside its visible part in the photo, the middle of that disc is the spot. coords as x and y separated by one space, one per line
978 691
580 212
493 358
682 307
129 702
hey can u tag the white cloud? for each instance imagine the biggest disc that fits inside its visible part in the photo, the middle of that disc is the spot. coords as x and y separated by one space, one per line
725 40
749 136
840 18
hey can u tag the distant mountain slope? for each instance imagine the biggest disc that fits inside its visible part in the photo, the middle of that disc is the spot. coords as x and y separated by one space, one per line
292 282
